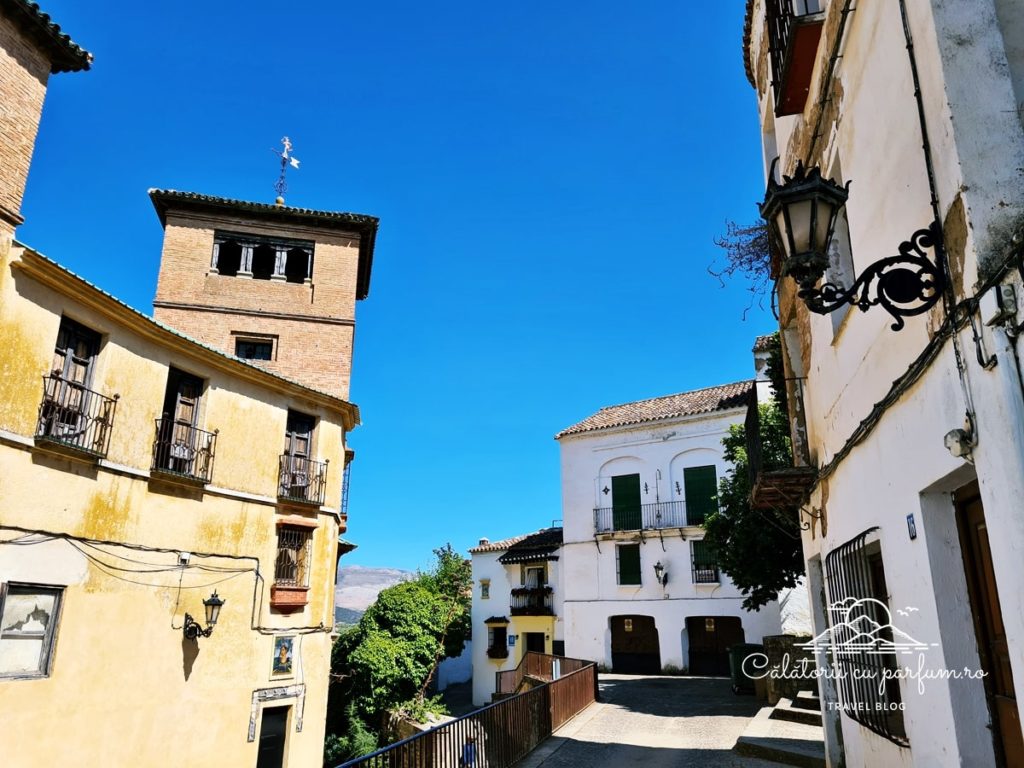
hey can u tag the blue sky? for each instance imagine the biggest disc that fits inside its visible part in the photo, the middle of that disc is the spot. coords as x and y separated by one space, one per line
549 178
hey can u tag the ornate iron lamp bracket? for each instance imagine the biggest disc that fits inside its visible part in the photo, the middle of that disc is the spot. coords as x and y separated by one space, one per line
904 285
194 630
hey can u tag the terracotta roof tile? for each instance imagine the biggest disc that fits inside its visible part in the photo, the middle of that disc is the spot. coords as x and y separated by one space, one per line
65 54
698 401
544 538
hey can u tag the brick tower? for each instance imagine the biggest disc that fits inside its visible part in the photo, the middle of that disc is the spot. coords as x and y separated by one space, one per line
272 284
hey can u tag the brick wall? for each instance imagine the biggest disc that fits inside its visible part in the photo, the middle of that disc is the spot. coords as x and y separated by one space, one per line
24 71
308 349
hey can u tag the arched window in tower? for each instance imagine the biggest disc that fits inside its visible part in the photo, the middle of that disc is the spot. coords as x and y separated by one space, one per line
298 265
263 259
229 258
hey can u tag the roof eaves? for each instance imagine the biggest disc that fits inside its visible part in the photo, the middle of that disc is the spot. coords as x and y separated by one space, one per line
66 54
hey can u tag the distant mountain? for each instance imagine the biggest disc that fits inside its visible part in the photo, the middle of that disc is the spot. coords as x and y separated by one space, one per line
358 585
346 617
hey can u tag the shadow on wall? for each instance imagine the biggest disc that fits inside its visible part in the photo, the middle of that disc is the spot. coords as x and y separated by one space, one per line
189 654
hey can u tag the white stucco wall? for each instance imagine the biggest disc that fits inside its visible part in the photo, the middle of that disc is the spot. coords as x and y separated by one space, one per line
970 64
658 452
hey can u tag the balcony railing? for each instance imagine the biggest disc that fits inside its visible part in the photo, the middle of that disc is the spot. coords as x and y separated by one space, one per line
302 480
532 601
794 27
660 514
497 652
183 451
75 417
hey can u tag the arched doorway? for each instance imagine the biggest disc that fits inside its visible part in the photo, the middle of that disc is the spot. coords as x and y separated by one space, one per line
710 639
635 648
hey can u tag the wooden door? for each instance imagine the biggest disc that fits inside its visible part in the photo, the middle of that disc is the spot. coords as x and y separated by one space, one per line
67 390
181 414
626 502
710 638
534 642
298 447
988 627
635 646
273 735
700 485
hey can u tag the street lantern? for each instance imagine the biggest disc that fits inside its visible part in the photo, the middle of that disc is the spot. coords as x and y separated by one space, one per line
801 213
801 217
660 574
193 629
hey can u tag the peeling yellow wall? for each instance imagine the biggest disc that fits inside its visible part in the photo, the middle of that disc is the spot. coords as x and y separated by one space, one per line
125 688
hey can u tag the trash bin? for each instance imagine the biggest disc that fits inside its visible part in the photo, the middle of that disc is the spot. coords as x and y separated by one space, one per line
741 682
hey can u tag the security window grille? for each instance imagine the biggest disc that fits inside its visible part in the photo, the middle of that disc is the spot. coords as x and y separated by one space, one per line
705 566
700 484
497 642
628 563
868 690
28 625
293 555
254 349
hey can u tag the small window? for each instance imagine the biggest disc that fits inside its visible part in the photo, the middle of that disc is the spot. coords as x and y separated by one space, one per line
627 558
293 556
485 590
297 267
705 566
228 257
28 626
254 349
264 259
497 641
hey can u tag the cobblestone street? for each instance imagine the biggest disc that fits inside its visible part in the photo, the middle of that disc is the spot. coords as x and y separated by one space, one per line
654 722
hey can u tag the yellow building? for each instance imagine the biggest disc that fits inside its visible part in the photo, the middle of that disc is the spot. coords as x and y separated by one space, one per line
169 511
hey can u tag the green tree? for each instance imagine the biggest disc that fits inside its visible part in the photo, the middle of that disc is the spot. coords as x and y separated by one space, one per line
385 663
759 550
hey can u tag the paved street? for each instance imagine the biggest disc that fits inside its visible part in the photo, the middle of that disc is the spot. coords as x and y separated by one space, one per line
654 722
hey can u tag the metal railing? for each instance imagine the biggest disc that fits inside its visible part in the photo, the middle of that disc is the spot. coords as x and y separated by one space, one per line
291 569
74 416
497 736
532 601
660 514
301 479
542 666
705 573
183 450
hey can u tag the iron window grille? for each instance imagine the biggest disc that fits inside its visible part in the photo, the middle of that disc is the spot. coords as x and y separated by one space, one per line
704 564
183 450
75 416
294 545
785 17
29 615
870 696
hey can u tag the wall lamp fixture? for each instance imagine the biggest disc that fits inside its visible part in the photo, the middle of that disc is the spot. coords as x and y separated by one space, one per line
801 215
660 574
194 629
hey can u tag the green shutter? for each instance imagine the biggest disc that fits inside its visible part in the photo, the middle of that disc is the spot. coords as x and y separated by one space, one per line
629 563
626 502
701 489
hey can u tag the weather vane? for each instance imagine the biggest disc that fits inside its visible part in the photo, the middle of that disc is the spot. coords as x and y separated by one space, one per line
287 159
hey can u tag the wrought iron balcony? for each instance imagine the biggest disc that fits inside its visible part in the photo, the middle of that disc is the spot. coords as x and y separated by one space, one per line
497 652
302 480
75 417
183 451
794 27
660 514
532 601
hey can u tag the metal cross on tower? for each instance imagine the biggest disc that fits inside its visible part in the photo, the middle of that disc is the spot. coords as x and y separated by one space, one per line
287 159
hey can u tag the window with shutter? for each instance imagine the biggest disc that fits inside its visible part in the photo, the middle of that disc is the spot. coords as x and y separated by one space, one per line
628 561
701 489
626 502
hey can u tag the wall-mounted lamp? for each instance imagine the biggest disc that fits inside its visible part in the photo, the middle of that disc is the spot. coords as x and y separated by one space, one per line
660 574
801 215
193 629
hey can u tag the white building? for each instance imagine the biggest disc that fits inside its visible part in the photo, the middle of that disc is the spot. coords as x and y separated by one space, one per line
517 604
641 591
911 441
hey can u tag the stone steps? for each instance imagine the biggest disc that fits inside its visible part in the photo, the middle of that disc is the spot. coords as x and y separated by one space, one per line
807 700
782 741
787 710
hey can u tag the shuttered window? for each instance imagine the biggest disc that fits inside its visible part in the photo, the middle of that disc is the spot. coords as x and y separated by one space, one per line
701 489
628 561
626 502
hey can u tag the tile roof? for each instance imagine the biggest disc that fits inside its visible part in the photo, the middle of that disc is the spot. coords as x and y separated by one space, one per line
764 343
65 54
543 537
538 546
698 401
748 23
365 226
